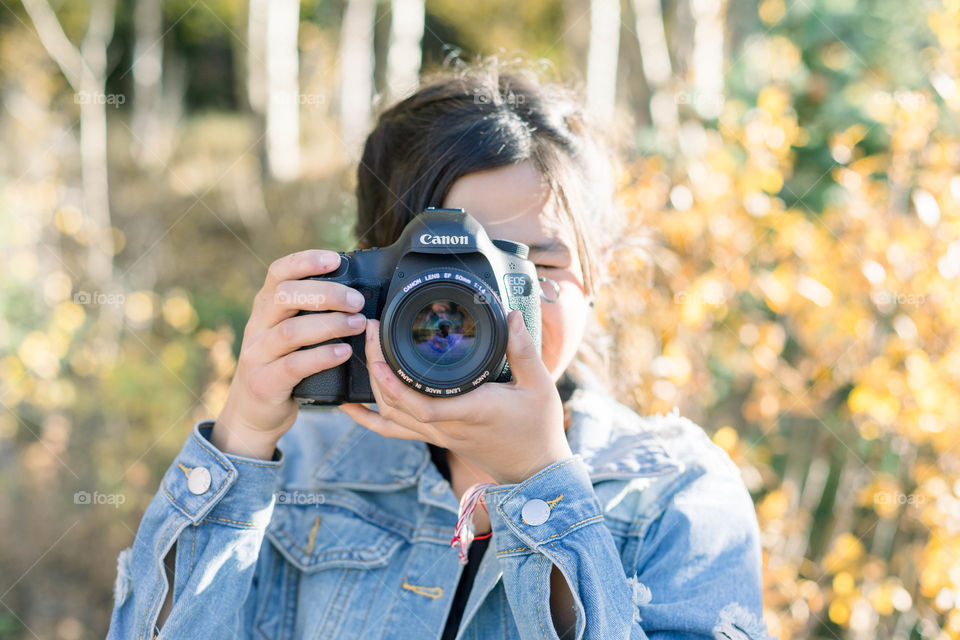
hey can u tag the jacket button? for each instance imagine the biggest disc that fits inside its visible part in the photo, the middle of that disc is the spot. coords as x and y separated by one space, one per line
535 512
198 481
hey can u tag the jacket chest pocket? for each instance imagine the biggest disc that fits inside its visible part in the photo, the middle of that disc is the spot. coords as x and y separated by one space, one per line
331 565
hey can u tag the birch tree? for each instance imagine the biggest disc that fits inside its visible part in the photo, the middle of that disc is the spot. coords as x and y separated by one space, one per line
283 89
657 69
404 52
273 81
356 73
85 69
157 89
602 57
707 56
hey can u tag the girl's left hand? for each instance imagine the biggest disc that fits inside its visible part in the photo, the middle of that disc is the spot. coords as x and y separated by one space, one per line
509 430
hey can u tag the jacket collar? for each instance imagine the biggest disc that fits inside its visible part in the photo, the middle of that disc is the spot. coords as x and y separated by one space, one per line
614 442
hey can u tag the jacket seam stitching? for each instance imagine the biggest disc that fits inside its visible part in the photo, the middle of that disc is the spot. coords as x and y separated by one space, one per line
248 524
271 576
373 517
199 438
534 476
165 536
540 608
292 589
512 550
556 535
571 568
569 564
334 595
193 544
373 598
187 511
503 607
318 555
256 464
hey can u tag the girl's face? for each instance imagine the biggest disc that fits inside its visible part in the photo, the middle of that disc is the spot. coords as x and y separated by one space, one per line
513 203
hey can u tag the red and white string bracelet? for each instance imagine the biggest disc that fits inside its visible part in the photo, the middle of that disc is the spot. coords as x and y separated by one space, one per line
463 534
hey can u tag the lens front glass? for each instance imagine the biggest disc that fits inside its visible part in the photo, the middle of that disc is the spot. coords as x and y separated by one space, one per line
444 333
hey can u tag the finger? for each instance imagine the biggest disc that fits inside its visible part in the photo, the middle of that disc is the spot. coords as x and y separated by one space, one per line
372 347
300 265
294 367
386 409
377 423
373 355
382 379
421 407
525 364
292 296
309 329
387 388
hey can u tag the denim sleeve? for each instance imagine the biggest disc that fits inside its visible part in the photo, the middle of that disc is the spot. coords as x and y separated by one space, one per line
215 507
698 567
679 578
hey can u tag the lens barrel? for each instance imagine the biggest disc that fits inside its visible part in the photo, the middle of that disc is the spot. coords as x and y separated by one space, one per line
444 332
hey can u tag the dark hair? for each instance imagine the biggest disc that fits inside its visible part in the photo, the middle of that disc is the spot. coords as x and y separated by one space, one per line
488 115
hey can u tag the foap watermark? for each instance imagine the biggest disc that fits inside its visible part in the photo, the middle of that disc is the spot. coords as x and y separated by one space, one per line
110 99
99 298
708 100
899 498
303 99
296 497
510 98
709 298
901 299
483 298
905 99
97 498
299 300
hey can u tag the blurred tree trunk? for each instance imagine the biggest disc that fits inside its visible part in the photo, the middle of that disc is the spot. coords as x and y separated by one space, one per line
283 89
147 76
602 57
273 82
657 69
86 70
157 91
708 16
404 54
356 73
256 55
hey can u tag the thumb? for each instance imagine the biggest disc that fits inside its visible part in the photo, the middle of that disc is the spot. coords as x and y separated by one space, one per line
525 363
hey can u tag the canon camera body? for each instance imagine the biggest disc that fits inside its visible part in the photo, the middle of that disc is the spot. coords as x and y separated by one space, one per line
441 292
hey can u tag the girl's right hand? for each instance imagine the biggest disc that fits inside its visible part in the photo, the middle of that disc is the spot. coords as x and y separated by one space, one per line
259 407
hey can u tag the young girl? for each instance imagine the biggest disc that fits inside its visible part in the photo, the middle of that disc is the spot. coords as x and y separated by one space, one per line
593 522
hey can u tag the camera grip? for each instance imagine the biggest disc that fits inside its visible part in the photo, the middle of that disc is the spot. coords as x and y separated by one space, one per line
324 387
350 381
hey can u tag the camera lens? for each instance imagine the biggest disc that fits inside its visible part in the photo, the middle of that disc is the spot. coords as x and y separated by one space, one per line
444 333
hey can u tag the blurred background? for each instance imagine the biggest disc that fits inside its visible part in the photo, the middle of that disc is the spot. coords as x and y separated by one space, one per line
795 162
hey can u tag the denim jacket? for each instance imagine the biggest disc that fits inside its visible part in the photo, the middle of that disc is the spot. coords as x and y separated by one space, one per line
346 534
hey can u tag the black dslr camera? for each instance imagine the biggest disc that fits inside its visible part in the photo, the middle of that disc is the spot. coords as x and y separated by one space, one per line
442 292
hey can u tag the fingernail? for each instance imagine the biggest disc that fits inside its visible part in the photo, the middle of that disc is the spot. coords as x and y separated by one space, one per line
329 260
341 350
355 299
357 321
